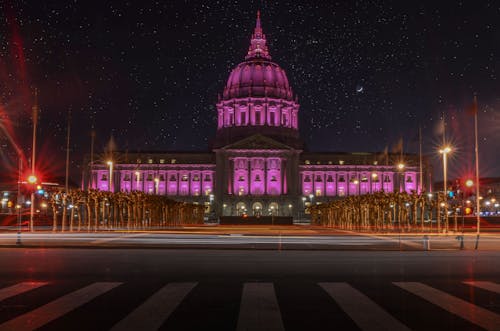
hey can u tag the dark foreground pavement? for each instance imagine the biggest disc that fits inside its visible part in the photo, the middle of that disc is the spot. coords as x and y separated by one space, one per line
170 289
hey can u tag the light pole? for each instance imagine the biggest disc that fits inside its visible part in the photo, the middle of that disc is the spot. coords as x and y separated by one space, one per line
33 150
445 151
304 207
401 167
137 177
157 181
110 164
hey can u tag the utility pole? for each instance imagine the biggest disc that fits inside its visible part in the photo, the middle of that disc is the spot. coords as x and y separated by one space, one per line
33 159
68 131
476 150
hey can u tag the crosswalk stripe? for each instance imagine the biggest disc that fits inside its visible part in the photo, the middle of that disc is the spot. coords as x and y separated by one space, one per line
362 310
477 315
156 309
13 290
57 308
490 286
259 309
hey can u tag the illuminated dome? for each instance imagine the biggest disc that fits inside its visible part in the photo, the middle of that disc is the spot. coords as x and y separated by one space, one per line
257 98
258 78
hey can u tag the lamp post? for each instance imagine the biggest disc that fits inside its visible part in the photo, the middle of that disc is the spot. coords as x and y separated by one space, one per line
304 207
110 164
157 181
445 151
401 167
137 177
33 155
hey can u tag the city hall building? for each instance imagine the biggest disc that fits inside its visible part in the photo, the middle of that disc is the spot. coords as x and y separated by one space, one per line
257 164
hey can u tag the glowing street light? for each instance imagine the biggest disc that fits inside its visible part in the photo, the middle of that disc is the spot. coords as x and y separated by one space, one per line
110 164
445 151
137 177
157 181
469 183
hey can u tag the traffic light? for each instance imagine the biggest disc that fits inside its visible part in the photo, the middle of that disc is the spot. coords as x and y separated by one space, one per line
32 179
468 210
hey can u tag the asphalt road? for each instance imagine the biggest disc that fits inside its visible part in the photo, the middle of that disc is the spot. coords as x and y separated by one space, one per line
271 240
170 289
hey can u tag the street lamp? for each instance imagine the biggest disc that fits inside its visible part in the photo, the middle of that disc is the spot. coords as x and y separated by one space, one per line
157 182
401 167
137 177
110 164
445 151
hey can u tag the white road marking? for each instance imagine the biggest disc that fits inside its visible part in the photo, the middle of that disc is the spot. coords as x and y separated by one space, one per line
57 308
259 308
475 314
13 290
490 286
156 309
362 310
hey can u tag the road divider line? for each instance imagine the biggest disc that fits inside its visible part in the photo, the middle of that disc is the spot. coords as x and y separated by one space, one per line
156 309
57 308
16 289
489 286
472 313
362 310
259 309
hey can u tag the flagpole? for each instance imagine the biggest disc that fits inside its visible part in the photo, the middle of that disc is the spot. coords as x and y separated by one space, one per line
476 149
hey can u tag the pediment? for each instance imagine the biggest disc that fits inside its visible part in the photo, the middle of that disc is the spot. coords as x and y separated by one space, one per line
257 141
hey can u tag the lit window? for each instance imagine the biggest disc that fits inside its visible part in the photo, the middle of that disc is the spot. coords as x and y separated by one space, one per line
184 178
162 161
173 178
341 162
173 161
150 161
196 178
307 162
241 179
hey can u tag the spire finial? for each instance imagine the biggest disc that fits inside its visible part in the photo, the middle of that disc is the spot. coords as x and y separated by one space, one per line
258 47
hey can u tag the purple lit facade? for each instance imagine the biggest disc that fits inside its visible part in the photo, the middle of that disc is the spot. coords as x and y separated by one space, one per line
257 164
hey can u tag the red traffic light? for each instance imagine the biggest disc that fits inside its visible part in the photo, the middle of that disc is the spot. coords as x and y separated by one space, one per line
32 179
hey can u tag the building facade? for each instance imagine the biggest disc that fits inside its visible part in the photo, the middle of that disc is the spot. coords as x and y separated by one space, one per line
257 164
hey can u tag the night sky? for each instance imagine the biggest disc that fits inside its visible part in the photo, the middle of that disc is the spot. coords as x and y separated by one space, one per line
147 74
